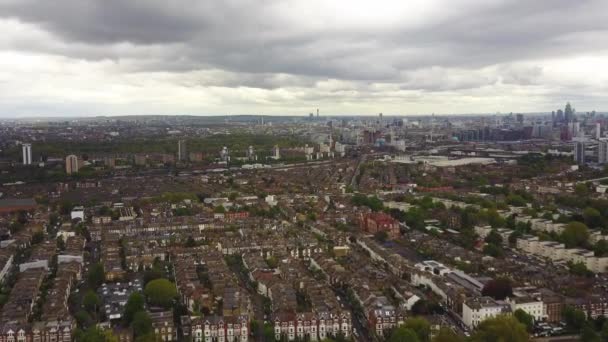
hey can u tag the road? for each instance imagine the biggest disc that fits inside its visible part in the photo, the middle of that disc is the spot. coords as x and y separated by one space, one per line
358 321
591 180
353 181
257 301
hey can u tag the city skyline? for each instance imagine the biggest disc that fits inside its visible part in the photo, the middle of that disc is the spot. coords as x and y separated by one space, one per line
289 58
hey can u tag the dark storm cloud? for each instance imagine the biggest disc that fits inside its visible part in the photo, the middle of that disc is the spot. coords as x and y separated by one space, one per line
463 44
247 36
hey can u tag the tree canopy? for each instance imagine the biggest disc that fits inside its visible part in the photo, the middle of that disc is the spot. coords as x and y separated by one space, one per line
161 292
447 335
135 303
141 324
501 328
575 319
575 234
96 275
91 301
420 326
525 319
403 334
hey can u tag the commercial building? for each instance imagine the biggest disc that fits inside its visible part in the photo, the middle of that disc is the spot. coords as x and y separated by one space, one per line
579 152
602 152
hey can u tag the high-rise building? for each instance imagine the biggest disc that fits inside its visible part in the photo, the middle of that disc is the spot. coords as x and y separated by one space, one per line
560 115
569 112
519 119
276 152
182 153
579 152
598 130
71 164
251 154
27 154
225 154
602 152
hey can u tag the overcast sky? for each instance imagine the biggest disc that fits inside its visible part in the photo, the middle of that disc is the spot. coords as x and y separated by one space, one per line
119 57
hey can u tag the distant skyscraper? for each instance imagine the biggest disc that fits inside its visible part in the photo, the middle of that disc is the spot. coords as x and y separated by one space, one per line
27 154
569 112
598 130
317 112
576 129
579 152
520 119
602 152
225 154
71 164
560 115
276 152
182 153
251 154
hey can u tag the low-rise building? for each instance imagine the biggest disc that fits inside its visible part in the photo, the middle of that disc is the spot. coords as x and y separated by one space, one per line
477 309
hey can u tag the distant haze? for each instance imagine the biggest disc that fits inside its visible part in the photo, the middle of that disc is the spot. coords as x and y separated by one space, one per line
285 57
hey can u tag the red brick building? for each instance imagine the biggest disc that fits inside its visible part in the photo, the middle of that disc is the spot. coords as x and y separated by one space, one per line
379 222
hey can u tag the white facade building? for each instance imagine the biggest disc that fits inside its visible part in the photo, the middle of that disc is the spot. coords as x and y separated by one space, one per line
477 310
27 153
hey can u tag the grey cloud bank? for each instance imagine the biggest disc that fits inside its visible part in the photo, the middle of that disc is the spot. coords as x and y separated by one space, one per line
275 57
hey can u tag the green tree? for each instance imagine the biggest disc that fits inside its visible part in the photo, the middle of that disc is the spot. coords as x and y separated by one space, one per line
592 217
96 275
190 242
381 236
575 234
447 335
494 238
420 326
513 237
501 328
91 301
141 324
601 248
604 332
581 190
161 292
579 269
95 334
272 262
268 332
83 319
403 334
589 335
60 243
525 319
493 250
149 337
516 200
37 237
135 303
575 319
